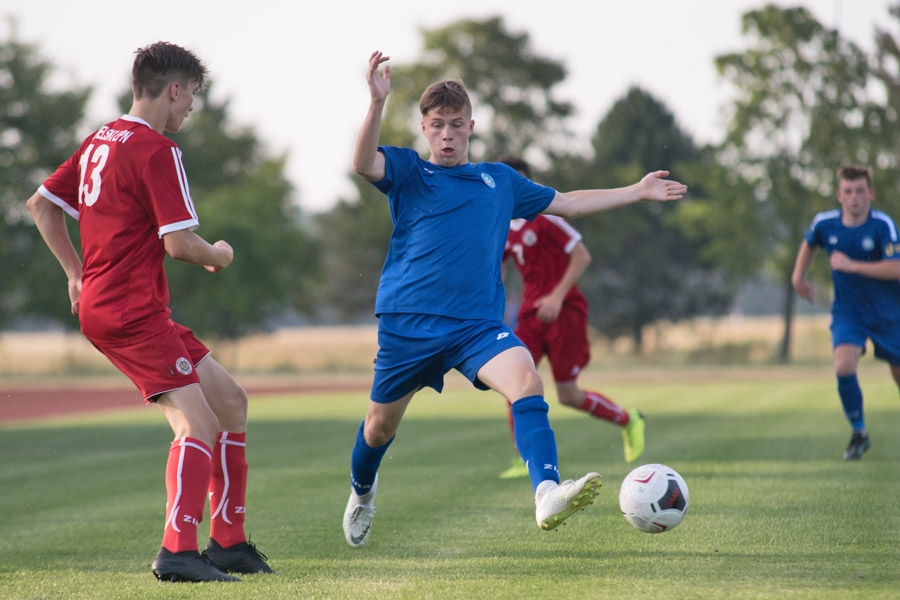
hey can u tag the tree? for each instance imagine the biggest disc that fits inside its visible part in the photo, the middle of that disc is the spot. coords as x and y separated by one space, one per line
882 121
242 196
722 218
354 246
38 129
645 268
800 112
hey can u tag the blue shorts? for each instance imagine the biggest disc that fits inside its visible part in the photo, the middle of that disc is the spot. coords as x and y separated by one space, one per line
415 351
885 337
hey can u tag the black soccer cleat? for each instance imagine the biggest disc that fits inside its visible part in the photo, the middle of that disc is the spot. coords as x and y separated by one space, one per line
240 558
859 443
188 565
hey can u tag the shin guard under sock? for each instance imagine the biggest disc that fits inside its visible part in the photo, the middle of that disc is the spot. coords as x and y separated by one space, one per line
228 489
188 473
535 439
852 400
364 462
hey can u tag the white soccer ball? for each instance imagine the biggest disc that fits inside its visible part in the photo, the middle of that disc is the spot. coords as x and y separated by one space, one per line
654 498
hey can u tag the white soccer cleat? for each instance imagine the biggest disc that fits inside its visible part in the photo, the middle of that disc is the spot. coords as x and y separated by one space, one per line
358 517
560 502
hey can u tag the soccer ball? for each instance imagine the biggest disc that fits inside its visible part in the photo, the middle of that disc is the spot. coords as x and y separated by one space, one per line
654 498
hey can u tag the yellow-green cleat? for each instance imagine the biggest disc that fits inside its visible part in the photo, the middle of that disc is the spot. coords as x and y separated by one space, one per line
517 469
633 435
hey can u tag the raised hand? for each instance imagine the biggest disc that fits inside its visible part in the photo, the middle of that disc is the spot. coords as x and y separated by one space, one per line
379 85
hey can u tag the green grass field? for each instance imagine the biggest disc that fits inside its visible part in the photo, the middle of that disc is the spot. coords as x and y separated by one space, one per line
775 512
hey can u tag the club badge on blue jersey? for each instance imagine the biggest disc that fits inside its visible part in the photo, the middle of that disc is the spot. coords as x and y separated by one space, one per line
488 180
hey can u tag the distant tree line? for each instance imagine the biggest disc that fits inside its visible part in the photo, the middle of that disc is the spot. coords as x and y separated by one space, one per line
806 100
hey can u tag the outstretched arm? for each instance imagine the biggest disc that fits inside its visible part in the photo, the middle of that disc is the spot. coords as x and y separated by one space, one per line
367 160
51 223
583 202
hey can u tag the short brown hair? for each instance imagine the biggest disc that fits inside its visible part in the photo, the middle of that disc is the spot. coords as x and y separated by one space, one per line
448 95
854 172
159 64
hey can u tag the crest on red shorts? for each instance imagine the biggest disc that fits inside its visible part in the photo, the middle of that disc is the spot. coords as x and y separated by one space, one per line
184 366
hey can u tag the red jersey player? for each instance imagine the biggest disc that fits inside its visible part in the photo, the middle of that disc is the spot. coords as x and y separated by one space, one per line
127 188
553 317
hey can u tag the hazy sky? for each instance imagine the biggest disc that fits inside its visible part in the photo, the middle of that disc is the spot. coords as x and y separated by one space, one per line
295 71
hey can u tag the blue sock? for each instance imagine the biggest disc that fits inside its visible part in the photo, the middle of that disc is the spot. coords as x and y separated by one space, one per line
852 400
364 462
535 439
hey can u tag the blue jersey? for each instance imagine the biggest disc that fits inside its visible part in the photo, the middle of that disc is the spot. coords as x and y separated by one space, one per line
865 299
450 226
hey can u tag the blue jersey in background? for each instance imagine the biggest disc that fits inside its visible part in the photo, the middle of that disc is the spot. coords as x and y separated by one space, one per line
865 299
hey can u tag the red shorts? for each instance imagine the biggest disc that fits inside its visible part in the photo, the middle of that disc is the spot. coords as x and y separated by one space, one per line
161 362
564 341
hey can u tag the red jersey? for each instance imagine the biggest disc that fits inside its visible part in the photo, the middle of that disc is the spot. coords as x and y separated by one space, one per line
127 187
540 249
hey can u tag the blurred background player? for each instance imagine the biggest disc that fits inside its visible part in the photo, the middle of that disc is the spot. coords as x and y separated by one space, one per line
440 299
553 318
864 250
127 188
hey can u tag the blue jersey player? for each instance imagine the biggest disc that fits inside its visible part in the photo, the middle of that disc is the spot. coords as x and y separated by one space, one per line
864 250
440 301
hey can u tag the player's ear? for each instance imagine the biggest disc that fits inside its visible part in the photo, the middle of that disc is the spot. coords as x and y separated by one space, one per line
174 88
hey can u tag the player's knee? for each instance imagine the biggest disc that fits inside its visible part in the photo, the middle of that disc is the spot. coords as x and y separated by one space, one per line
232 410
239 402
846 359
204 429
378 433
570 397
844 368
532 385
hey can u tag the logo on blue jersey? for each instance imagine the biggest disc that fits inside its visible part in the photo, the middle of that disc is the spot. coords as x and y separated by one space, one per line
890 249
832 240
868 244
488 180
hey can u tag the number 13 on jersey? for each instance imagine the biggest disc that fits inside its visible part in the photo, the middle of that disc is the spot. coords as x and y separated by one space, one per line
90 166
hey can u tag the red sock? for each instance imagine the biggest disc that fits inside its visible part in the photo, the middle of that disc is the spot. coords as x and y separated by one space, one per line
603 408
228 489
187 479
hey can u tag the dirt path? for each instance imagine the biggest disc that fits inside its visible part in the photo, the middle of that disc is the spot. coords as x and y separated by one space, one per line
36 400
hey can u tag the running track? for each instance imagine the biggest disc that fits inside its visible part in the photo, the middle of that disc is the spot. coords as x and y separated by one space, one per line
36 402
